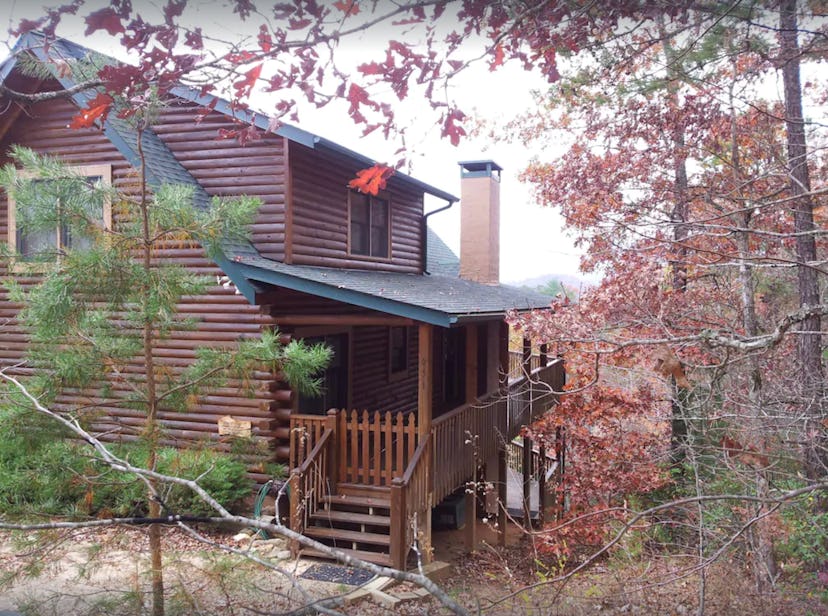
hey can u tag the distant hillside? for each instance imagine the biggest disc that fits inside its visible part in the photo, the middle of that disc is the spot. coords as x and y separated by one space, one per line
573 284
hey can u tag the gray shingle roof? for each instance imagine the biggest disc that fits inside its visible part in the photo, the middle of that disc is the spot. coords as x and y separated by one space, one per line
441 259
436 299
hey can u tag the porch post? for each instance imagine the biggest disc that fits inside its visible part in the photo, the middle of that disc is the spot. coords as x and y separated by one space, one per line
544 355
503 347
425 390
471 363
502 481
543 500
425 382
527 482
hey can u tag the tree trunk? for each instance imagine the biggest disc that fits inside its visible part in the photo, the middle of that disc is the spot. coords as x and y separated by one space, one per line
151 426
809 347
678 219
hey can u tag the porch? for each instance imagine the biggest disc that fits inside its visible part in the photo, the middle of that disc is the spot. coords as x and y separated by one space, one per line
366 482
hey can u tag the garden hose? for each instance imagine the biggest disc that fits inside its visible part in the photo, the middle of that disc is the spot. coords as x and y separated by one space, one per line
257 506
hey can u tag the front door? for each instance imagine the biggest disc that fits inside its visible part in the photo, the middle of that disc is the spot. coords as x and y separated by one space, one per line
334 394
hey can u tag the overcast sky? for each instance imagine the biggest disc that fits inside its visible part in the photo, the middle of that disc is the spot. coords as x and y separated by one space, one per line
532 243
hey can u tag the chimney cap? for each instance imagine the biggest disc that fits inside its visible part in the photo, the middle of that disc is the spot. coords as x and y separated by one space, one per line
479 169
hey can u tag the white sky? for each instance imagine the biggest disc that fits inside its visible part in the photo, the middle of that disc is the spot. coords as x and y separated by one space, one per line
532 243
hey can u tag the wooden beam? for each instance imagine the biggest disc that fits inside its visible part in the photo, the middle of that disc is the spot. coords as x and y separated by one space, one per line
425 392
503 354
471 363
425 387
502 481
341 319
527 482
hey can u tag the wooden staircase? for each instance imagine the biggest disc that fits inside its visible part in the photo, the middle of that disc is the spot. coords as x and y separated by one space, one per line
356 520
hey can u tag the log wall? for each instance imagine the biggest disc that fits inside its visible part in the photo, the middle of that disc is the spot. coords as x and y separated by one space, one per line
226 169
222 317
319 227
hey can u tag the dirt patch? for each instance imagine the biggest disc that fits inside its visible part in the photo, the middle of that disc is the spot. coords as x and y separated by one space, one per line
86 573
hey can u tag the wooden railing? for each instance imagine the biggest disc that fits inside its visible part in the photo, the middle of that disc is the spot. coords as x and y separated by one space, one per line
516 369
305 431
530 397
309 483
463 439
374 448
411 502
542 464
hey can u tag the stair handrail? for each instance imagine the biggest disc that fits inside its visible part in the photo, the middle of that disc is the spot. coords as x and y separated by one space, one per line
308 484
409 498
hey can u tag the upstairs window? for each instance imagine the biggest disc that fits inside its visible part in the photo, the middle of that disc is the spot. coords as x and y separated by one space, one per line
43 245
369 225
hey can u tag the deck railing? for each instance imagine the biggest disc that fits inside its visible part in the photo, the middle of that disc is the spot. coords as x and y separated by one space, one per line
465 438
309 483
411 501
374 448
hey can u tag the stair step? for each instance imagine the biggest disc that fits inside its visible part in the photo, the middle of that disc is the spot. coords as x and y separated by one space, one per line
351 536
357 501
352 518
378 558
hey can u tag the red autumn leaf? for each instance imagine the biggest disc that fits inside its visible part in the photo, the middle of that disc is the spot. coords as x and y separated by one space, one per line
349 7
265 40
104 19
371 180
98 108
244 85
498 57
452 129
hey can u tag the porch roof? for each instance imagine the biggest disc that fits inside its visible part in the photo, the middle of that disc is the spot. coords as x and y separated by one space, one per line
436 299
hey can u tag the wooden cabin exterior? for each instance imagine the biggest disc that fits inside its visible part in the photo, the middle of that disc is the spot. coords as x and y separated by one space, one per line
417 400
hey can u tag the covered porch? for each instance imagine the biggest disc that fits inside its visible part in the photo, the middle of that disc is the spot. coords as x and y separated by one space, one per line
423 399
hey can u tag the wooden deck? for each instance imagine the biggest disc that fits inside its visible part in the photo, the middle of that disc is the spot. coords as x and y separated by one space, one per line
353 466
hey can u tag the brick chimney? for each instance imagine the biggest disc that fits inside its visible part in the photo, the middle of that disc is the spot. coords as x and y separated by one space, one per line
480 221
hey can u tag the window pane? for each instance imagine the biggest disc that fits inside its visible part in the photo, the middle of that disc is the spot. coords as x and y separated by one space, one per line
379 212
359 238
37 245
359 208
379 242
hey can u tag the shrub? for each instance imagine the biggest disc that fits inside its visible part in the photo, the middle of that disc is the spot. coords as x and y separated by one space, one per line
43 471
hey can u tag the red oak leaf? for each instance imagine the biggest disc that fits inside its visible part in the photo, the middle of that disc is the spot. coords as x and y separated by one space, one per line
498 57
452 129
98 108
265 40
244 85
349 7
104 19
371 180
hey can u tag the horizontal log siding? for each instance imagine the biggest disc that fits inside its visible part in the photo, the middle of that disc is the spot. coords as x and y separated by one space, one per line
320 215
371 387
222 316
227 169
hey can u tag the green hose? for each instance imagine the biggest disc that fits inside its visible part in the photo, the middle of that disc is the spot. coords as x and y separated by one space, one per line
257 507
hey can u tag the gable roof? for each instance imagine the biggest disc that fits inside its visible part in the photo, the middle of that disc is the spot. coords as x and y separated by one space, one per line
441 299
34 42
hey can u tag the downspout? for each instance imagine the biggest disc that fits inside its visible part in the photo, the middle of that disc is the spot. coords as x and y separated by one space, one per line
424 253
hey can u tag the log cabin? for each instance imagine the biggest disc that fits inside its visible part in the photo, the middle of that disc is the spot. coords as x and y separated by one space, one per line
419 399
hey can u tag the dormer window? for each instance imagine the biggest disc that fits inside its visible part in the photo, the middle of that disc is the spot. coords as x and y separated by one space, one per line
370 222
